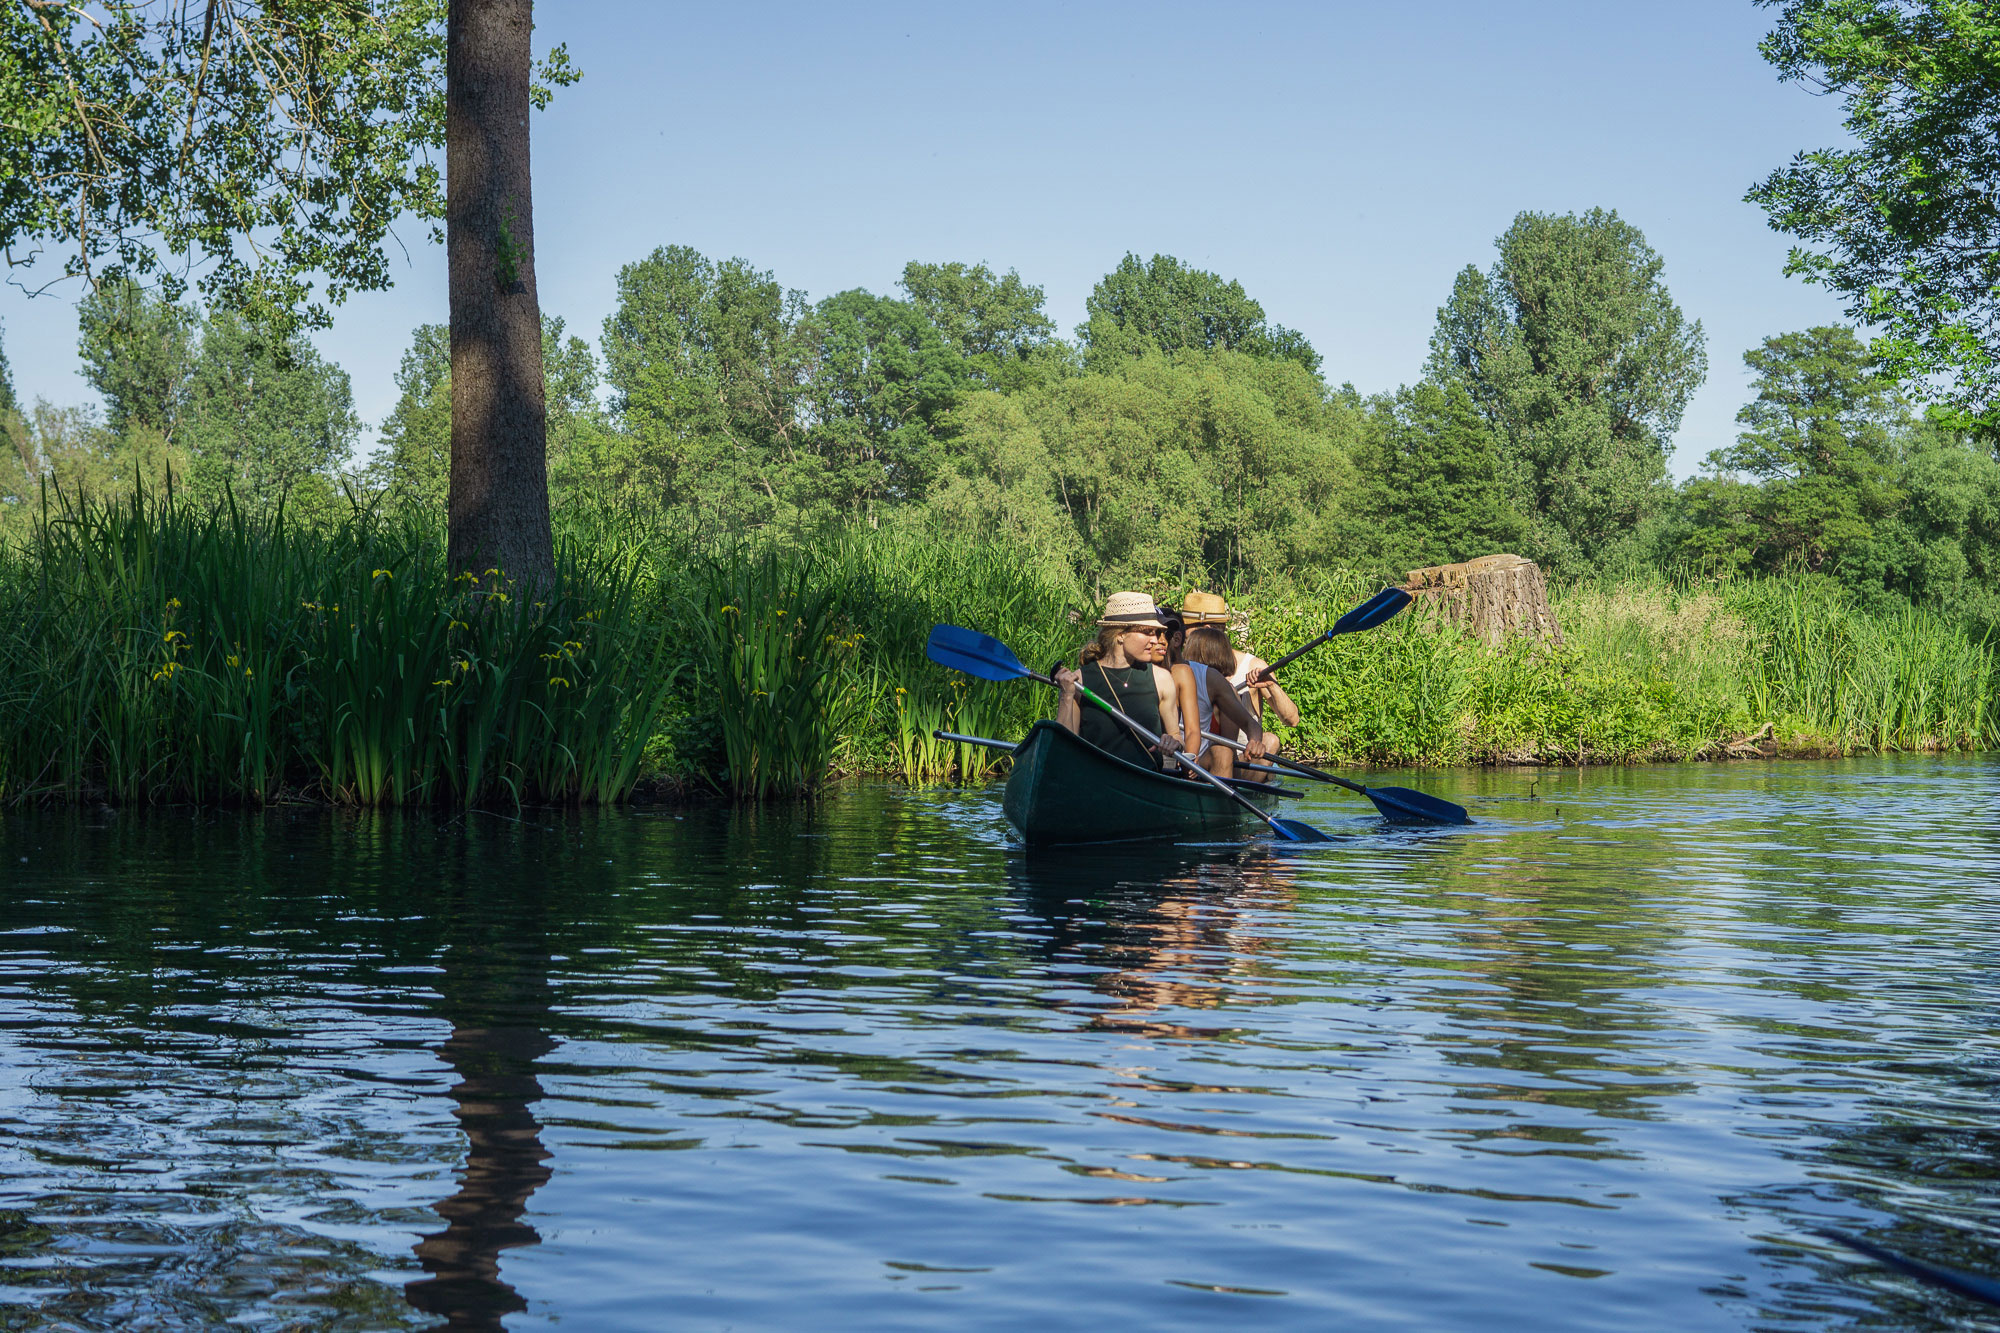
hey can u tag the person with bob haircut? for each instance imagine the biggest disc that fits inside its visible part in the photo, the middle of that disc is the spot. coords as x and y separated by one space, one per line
1256 690
1202 673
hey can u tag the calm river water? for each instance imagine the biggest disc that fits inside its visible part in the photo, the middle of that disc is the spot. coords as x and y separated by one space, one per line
1602 1061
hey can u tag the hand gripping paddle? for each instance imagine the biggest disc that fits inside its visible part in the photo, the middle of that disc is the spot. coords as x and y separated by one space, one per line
986 658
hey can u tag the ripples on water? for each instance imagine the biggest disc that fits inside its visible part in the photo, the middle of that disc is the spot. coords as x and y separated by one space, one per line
1601 1061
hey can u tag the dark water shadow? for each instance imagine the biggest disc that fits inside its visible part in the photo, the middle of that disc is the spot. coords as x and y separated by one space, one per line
495 993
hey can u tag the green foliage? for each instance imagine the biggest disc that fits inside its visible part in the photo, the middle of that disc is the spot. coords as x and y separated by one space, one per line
886 378
414 462
1209 467
709 365
1164 306
996 324
1820 439
1583 363
156 137
156 650
9 405
1431 491
771 649
1901 221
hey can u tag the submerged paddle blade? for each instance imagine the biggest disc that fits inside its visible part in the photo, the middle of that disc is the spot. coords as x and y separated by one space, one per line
1384 605
1402 803
976 654
1291 830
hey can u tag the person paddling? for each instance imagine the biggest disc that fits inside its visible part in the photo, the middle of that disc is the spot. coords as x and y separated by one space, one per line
1209 609
1127 665
1201 670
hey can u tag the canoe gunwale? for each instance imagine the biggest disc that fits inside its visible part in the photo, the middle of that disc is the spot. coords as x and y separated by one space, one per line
1066 791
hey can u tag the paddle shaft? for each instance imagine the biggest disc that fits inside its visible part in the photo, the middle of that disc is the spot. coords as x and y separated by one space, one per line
1394 802
1187 761
1384 605
1009 746
1303 770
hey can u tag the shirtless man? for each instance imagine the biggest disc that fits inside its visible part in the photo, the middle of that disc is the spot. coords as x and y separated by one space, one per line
1126 666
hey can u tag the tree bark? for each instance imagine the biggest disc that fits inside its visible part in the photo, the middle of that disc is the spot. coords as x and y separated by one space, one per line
499 506
1492 598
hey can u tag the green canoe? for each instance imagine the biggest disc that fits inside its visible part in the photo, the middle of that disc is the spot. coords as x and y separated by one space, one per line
1065 790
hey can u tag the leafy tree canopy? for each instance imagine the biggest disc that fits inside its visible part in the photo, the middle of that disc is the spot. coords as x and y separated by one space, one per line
997 324
1163 305
1903 222
155 137
1431 490
1576 353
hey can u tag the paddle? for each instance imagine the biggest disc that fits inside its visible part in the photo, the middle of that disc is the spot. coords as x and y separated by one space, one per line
1383 606
1009 746
1394 802
986 658
1951 1279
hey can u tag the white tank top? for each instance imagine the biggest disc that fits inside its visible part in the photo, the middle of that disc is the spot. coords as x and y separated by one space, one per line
1203 705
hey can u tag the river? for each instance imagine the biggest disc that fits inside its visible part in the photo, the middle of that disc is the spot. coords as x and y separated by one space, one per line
1604 1060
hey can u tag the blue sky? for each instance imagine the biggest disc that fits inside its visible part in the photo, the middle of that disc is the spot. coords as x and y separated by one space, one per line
1343 161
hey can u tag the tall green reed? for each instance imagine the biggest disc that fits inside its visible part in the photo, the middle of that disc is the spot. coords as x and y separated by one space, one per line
157 650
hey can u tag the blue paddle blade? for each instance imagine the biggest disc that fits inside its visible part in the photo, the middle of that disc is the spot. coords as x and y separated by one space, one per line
1384 605
1291 830
1975 1285
1404 804
978 655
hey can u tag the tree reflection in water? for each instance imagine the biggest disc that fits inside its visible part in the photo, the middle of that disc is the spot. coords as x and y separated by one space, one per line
496 995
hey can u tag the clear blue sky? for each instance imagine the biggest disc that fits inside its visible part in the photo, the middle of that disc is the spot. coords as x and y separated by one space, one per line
1343 161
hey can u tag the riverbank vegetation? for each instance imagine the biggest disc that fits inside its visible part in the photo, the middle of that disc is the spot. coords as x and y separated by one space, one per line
764 502
162 649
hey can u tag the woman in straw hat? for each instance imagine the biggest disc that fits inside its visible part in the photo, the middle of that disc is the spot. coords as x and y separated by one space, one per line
1127 667
1208 609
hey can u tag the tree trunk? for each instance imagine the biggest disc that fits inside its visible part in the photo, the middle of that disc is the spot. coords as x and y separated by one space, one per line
499 507
1490 598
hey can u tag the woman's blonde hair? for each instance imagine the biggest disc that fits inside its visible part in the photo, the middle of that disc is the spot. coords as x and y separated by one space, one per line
1107 636
1210 647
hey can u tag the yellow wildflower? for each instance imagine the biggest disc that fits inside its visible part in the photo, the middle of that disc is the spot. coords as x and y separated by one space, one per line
382 574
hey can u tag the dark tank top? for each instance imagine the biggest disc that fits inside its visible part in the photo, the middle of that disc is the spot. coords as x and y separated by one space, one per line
1132 690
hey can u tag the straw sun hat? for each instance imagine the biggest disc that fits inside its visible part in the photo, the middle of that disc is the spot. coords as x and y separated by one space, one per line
1131 608
1204 608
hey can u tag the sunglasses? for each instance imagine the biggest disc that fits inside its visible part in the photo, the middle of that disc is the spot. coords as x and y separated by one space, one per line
1148 631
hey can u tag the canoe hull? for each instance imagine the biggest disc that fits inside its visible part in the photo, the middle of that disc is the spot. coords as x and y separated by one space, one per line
1066 791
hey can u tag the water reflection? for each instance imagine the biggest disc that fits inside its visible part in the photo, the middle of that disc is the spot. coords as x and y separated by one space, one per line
495 993
1601 1069
1163 929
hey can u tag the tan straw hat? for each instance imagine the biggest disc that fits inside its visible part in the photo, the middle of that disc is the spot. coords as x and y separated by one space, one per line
1204 608
1131 608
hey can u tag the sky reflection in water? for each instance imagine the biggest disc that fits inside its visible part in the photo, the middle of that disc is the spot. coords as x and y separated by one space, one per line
1601 1061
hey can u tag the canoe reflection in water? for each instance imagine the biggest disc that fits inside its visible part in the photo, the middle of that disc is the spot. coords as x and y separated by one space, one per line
1168 926
496 995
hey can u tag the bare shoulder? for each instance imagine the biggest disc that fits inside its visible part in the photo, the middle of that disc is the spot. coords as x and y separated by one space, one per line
1163 679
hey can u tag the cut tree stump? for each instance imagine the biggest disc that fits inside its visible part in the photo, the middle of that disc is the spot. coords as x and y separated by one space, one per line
1493 598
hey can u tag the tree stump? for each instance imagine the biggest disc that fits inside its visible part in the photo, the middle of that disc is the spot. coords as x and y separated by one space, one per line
1491 598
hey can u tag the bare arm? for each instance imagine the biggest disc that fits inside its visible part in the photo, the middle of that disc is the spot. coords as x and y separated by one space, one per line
1231 709
1068 713
1170 710
1190 706
1264 688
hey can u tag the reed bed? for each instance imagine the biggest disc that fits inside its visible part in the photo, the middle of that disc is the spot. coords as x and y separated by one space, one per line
154 651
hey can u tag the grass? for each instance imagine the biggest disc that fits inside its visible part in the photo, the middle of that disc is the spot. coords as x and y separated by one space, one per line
151 650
